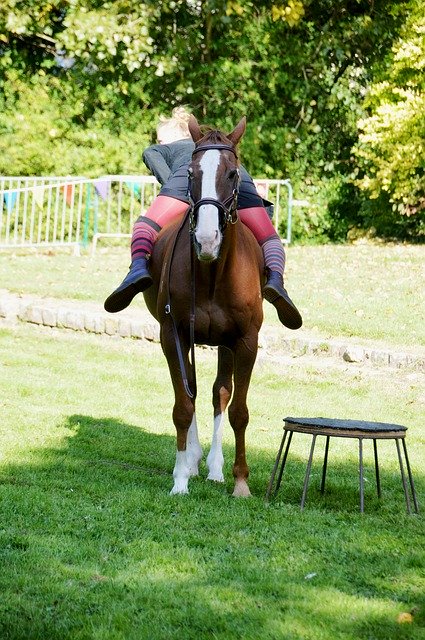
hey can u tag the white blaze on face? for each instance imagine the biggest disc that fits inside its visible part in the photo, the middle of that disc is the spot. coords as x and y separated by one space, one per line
207 233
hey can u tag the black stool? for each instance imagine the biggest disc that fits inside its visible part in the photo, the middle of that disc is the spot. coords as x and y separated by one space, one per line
344 429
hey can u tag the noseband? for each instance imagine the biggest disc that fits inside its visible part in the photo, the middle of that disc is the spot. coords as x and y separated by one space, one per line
228 208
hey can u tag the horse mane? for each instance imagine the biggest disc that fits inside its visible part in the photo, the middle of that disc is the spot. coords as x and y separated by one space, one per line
213 136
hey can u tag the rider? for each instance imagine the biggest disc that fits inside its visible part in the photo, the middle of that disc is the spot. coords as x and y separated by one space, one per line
169 161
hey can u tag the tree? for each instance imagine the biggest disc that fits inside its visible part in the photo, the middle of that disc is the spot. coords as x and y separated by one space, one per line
87 80
391 148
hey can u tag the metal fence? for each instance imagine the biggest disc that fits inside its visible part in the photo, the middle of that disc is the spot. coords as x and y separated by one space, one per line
75 211
280 193
117 207
35 211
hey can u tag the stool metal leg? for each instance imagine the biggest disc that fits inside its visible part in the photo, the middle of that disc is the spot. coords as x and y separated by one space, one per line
285 455
325 464
403 477
361 475
307 473
276 464
412 484
375 453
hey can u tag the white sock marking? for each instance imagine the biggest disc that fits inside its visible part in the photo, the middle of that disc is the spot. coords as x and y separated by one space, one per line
215 459
181 474
193 448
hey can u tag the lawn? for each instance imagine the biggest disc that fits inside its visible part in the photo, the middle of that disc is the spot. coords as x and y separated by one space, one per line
367 292
93 546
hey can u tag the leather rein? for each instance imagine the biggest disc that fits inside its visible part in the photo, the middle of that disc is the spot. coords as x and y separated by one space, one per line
228 211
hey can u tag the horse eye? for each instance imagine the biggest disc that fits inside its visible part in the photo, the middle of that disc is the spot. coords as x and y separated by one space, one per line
232 174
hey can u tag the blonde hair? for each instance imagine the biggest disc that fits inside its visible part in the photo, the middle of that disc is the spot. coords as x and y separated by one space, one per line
179 121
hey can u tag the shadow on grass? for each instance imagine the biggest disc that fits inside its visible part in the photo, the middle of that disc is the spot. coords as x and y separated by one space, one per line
110 442
92 546
342 488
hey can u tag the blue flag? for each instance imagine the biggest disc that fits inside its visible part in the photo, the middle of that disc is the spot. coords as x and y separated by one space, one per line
134 187
10 199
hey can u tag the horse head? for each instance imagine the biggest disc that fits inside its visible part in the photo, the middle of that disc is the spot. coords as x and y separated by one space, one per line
213 186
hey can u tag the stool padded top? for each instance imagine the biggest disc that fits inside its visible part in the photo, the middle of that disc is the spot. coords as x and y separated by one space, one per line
355 425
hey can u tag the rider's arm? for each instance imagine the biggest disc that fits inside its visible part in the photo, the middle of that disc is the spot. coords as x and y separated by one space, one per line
157 159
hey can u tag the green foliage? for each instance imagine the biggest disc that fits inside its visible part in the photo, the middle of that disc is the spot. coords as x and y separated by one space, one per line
391 149
84 81
108 36
43 136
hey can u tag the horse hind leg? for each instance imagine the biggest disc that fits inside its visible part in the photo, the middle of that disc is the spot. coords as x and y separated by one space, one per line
245 355
222 392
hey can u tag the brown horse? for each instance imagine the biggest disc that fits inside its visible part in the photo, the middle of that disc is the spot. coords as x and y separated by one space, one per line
216 297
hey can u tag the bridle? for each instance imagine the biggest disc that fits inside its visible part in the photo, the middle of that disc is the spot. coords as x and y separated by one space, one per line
228 209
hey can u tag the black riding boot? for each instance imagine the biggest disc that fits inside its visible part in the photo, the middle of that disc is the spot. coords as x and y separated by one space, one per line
275 292
138 279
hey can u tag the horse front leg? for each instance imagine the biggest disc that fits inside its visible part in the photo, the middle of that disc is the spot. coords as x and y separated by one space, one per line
245 354
222 392
189 452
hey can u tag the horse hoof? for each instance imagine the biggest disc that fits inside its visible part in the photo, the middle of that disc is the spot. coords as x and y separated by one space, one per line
215 477
241 489
179 490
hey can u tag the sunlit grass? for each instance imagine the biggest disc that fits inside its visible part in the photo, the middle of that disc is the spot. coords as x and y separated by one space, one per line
93 546
368 292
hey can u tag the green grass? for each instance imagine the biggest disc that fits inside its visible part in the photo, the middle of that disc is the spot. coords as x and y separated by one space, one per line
367 292
93 546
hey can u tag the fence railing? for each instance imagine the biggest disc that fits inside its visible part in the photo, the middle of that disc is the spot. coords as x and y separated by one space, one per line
125 198
76 211
282 200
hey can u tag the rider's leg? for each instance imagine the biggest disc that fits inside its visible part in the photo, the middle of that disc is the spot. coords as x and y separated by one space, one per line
257 220
163 210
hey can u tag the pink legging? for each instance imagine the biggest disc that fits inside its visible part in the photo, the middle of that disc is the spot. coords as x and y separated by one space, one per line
257 220
164 209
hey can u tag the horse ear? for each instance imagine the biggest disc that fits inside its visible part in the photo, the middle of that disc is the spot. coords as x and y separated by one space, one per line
238 131
194 128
